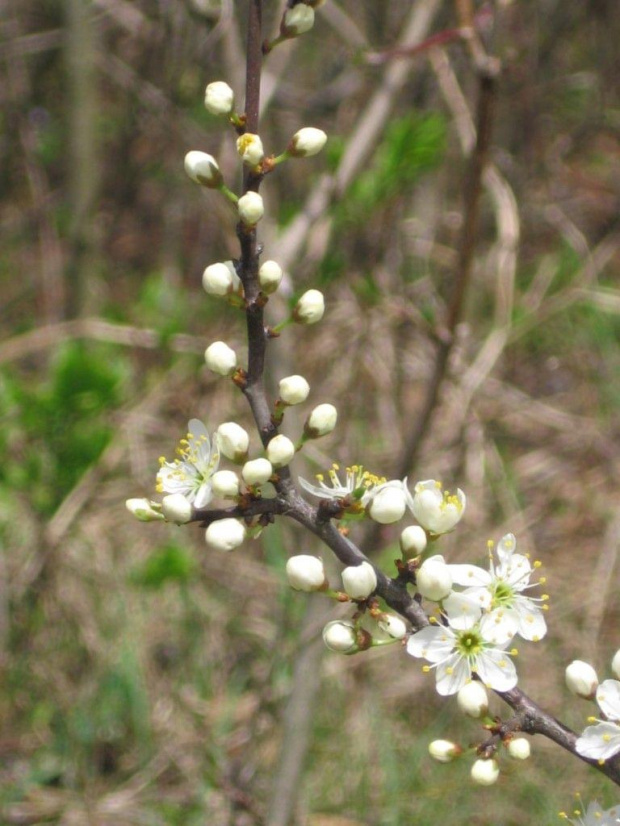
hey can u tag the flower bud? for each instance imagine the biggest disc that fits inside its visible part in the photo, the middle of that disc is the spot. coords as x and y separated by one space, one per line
294 390
413 541
219 98
306 142
485 772
220 279
306 573
340 636
388 503
581 679
203 169
436 510
615 665
233 441
257 471
519 748
176 508
321 421
310 307
296 21
225 483
359 581
251 208
225 534
280 451
473 700
250 149
269 276
221 359
393 626
434 580
143 510
443 751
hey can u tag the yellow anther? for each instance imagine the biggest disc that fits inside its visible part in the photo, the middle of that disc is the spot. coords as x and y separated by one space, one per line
514 652
336 466
542 580
606 738
592 720
320 477
426 669
537 564
536 638
162 460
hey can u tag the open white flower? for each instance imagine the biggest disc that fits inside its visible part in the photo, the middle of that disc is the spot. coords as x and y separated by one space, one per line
457 653
595 816
435 509
356 487
602 741
190 474
500 591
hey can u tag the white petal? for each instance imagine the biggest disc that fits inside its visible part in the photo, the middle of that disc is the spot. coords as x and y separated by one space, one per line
496 670
506 547
452 675
470 575
499 626
608 698
203 495
463 611
432 643
599 742
531 620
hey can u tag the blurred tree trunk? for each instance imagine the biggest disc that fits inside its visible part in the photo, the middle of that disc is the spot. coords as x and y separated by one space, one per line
83 177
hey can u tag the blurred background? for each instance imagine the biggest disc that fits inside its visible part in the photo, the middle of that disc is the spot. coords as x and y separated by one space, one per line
149 680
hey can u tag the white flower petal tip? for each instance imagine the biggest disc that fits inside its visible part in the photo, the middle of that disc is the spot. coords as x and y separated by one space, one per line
436 510
359 581
340 636
203 169
144 510
485 772
191 472
306 573
225 534
219 98
581 679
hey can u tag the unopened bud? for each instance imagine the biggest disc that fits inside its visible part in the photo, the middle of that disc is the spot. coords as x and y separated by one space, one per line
225 483
306 142
306 573
581 679
225 534
321 421
269 276
220 358
233 441
257 471
519 748
176 508
250 149
143 510
340 636
473 699
280 451
436 510
296 21
443 751
359 581
294 390
413 541
485 772
393 626
251 208
203 169
310 307
219 98
220 279
388 503
434 580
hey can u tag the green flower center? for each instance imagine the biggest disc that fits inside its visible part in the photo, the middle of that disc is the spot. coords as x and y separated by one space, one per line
503 595
469 643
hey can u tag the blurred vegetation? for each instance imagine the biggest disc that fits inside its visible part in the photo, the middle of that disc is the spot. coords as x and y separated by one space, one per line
145 680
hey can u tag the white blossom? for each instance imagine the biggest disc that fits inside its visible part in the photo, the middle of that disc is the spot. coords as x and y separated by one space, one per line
473 699
257 471
444 751
280 450
500 591
250 149
387 502
225 483
321 421
353 492
436 510
144 510
190 473
307 142
305 573
176 508
602 741
340 636
595 816
485 772
220 358
309 308
269 276
203 169
294 389
413 540
220 279
519 748
581 679
219 98
251 208
359 581
433 578
225 534
458 651
298 20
